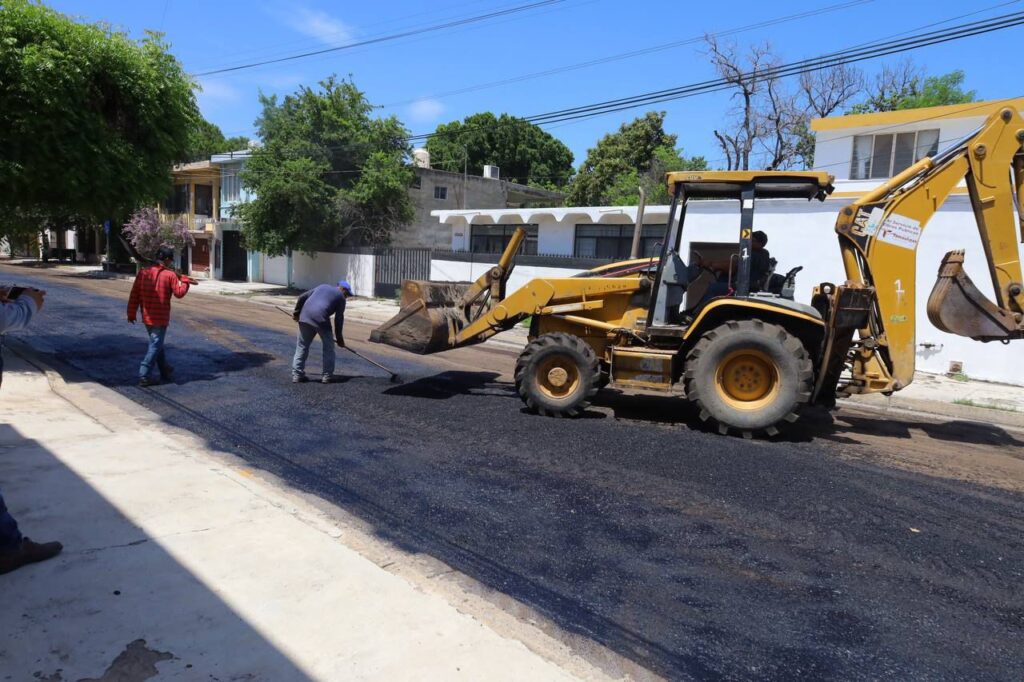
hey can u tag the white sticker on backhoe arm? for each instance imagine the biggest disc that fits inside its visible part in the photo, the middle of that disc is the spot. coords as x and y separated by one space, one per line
900 231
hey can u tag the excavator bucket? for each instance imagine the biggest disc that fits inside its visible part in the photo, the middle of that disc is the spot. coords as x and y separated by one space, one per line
429 317
956 306
434 313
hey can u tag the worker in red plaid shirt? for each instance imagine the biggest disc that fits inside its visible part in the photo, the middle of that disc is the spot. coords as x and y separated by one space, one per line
153 289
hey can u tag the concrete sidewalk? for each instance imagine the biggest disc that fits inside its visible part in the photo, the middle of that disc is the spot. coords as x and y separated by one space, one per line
179 561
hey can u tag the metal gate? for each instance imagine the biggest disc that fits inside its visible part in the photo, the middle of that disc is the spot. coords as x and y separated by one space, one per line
392 265
234 257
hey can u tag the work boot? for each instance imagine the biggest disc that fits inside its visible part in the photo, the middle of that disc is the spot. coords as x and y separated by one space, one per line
146 381
28 553
299 378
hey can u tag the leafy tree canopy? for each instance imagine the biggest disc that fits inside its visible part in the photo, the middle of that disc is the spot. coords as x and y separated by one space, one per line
524 152
327 171
904 86
206 139
90 120
639 154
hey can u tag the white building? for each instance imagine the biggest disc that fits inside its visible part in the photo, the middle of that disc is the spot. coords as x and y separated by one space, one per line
859 150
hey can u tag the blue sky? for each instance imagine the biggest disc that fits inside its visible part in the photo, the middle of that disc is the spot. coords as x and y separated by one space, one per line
411 77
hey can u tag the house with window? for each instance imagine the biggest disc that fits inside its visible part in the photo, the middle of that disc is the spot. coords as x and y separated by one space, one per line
434 189
231 260
195 199
861 151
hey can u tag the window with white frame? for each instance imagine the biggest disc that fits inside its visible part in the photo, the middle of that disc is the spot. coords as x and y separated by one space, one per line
230 185
616 241
495 238
883 156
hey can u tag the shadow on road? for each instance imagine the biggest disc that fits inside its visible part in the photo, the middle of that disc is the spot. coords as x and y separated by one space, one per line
115 358
815 423
447 385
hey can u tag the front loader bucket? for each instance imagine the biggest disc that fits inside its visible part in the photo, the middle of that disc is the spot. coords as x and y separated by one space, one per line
428 320
957 307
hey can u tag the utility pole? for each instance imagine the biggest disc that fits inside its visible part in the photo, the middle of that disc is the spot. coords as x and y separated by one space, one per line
465 174
634 252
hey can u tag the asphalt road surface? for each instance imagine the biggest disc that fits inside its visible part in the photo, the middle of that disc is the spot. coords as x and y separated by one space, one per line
859 547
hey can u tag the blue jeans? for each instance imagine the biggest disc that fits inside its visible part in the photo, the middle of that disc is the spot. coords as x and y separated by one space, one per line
155 353
10 536
307 333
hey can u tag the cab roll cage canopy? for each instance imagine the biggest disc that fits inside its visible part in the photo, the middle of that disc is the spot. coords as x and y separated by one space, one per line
745 186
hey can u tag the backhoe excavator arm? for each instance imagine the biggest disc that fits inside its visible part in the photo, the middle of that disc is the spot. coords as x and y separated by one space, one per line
879 234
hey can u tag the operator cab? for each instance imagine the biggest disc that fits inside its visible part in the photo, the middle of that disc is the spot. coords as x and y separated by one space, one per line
673 278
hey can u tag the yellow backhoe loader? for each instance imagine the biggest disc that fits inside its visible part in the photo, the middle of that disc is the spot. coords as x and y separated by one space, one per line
750 360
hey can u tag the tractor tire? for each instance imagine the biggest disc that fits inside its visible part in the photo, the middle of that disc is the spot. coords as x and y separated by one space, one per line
748 376
557 375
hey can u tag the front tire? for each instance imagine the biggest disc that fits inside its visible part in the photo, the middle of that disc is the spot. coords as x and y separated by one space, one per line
557 375
749 376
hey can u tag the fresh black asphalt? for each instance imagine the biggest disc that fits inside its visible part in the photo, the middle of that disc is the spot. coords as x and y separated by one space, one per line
695 555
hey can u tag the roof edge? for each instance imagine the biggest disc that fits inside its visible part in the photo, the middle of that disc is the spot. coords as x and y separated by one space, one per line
914 115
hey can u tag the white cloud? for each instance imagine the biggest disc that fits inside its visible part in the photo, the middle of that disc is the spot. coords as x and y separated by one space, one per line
216 91
426 110
319 25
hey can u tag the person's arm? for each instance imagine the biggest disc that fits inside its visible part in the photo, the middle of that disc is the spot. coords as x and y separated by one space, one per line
179 287
16 314
339 322
301 301
133 298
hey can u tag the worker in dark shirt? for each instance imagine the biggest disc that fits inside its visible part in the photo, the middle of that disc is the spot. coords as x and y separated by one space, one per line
760 265
313 312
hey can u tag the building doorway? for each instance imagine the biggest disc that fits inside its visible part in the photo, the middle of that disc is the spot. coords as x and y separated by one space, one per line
234 267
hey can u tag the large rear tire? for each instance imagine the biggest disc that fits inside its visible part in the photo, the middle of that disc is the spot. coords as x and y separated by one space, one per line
749 376
557 375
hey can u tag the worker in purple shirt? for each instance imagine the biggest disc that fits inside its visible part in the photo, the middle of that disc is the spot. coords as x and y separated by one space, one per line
17 307
313 312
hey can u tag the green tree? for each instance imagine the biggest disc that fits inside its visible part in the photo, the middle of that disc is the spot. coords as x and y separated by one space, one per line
90 120
524 152
639 154
904 86
206 139
327 171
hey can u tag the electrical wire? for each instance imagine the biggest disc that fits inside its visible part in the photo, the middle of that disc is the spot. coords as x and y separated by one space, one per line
388 38
633 53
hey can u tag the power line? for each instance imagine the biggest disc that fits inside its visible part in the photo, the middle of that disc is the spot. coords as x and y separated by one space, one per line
633 53
834 59
284 48
848 56
388 38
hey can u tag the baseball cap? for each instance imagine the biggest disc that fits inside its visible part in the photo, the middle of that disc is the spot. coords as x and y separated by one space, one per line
345 285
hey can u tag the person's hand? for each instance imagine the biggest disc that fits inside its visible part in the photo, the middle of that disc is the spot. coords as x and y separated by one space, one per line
36 295
295 316
3 293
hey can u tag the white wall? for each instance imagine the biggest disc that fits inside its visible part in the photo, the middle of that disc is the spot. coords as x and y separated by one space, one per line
328 268
275 270
458 271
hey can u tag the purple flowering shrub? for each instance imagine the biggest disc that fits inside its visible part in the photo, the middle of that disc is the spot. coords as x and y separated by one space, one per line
147 232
